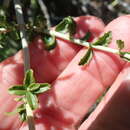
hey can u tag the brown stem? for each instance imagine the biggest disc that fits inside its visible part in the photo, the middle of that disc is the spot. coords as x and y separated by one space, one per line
20 20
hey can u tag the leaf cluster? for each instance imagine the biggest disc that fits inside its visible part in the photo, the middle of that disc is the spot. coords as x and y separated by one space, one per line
102 41
28 94
66 26
105 40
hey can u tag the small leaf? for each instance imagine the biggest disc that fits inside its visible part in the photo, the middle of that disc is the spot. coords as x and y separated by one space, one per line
67 25
87 57
32 100
19 109
50 42
18 99
104 40
123 56
86 37
22 112
43 88
120 44
29 78
23 116
17 90
11 113
33 86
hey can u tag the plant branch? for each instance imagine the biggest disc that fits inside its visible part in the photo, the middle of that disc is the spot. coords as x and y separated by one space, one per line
20 20
30 118
78 42
86 44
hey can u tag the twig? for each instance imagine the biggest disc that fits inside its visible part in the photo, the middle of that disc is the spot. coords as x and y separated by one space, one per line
45 12
80 42
86 44
20 20
30 118
19 15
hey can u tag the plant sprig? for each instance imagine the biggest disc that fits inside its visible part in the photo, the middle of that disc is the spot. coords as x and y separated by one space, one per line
29 89
28 93
101 43
66 29
87 57
67 26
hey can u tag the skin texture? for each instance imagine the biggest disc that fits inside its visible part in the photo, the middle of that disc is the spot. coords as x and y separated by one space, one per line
113 111
77 88
47 66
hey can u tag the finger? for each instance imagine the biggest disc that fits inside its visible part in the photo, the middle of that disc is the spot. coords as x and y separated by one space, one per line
113 111
78 88
46 65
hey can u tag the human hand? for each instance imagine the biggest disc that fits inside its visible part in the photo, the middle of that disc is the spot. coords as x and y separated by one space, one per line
77 88
47 66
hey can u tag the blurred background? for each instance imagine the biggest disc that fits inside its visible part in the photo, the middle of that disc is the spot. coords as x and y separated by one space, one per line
105 9
53 11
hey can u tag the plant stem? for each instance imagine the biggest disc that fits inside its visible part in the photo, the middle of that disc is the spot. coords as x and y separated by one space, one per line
20 20
19 16
30 117
85 44
78 42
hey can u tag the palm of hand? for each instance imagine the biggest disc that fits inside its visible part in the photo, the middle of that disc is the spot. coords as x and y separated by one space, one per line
75 90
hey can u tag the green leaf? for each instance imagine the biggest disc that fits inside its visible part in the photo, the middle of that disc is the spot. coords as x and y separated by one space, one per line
49 41
86 37
11 113
22 112
120 44
17 90
23 116
33 86
19 99
43 88
19 109
32 100
67 25
87 57
29 78
104 40
123 56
